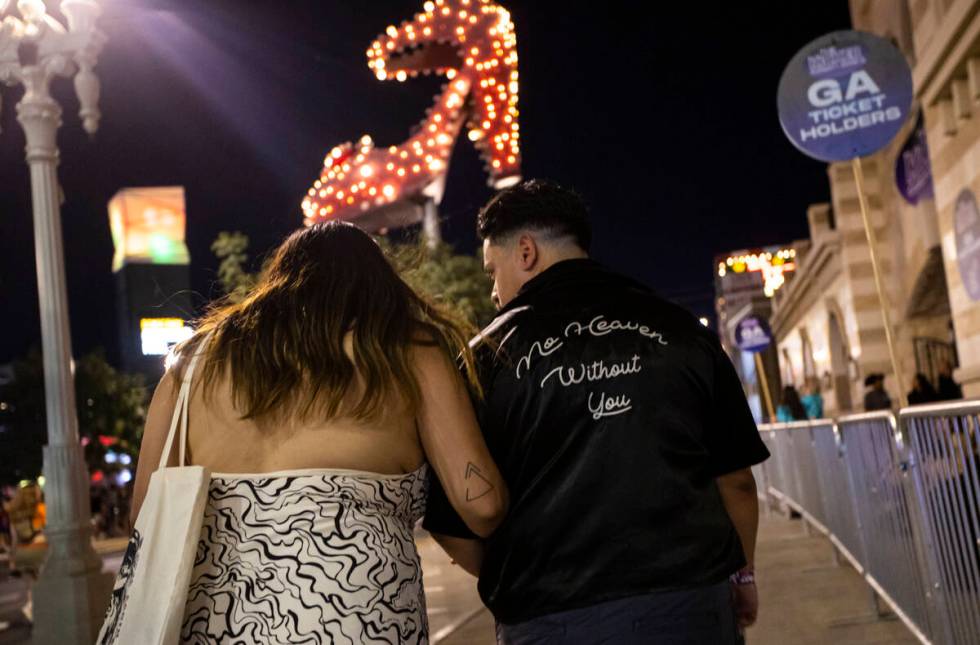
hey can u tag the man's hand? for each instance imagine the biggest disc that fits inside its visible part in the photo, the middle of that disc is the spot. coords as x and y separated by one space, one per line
468 554
745 598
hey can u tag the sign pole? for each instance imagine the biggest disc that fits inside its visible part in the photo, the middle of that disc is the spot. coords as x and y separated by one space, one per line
844 96
882 294
764 384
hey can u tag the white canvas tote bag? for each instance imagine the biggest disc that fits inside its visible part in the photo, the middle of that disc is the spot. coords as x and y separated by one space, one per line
147 605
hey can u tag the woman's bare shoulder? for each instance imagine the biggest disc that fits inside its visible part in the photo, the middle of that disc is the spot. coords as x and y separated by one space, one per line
167 388
428 355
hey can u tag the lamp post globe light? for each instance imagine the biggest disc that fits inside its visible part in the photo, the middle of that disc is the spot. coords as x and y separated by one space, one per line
72 592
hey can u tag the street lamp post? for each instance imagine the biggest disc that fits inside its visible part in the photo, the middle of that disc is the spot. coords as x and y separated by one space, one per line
35 48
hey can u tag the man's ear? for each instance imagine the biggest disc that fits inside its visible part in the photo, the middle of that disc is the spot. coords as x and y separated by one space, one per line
527 252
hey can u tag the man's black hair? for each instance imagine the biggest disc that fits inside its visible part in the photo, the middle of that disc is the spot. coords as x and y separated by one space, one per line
539 205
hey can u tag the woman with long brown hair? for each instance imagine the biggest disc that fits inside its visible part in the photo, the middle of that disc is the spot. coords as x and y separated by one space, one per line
318 403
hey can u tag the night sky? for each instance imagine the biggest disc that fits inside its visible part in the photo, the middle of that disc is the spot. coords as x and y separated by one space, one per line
663 118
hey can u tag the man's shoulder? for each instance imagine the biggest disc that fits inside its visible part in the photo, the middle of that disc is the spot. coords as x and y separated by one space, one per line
503 322
611 294
629 295
490 344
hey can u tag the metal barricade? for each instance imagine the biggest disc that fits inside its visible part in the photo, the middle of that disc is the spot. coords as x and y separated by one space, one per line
882 500
900 499
787 464
781 469
792 476
771 467
839 511
807 482
944 454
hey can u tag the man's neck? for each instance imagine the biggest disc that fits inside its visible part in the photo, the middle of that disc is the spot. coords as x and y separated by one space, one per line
551 257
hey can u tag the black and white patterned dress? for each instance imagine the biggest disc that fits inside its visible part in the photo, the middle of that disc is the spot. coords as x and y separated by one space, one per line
309 556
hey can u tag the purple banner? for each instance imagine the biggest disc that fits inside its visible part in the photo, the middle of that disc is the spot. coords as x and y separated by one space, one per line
913 172
752 334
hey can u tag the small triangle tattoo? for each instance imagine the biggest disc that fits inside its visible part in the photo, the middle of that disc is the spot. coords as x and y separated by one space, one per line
477 485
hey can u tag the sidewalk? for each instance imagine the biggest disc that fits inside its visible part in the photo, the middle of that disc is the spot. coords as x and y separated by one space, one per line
14 630
103 547
808 600
804 598
450 592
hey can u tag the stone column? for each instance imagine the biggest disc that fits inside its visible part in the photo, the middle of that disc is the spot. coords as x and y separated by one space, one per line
72 594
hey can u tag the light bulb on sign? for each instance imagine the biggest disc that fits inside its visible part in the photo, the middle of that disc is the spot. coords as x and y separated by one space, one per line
478 95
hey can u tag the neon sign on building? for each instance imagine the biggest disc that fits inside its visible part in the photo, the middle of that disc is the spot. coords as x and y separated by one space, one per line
470 42
147 226
772 266
159 335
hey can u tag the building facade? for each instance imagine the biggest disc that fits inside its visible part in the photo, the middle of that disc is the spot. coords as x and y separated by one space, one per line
828 322
946 72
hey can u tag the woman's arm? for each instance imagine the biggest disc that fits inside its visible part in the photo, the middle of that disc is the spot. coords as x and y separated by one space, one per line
454 444
158 419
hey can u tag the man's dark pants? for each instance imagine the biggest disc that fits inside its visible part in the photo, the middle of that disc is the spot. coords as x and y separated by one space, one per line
703 615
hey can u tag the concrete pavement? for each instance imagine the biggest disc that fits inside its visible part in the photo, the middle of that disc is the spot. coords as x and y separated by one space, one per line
450 593
805 598
451 596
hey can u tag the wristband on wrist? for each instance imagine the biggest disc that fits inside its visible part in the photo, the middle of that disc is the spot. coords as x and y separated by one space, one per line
744 576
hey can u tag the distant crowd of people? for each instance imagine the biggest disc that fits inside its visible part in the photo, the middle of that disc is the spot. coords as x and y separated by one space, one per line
110 510
23 516
923 391
946 389
794 407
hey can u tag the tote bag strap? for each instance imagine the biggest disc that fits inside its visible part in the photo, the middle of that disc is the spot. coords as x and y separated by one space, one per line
180 410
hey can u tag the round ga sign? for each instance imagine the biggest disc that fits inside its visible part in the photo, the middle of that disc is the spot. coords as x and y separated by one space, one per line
844 95
752 334
966 225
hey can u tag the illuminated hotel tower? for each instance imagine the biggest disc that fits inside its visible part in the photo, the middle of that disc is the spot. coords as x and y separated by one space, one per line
152 275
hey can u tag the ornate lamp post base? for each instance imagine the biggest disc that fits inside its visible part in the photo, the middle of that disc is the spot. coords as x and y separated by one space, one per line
72 593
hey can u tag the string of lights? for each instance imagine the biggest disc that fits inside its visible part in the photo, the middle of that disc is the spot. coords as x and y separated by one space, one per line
773 267
473 44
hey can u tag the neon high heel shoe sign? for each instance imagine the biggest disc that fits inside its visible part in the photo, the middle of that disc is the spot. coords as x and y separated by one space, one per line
472 43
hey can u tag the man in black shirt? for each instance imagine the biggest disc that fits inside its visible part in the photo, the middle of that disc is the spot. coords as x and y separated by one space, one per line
876 398
626 442
947 387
